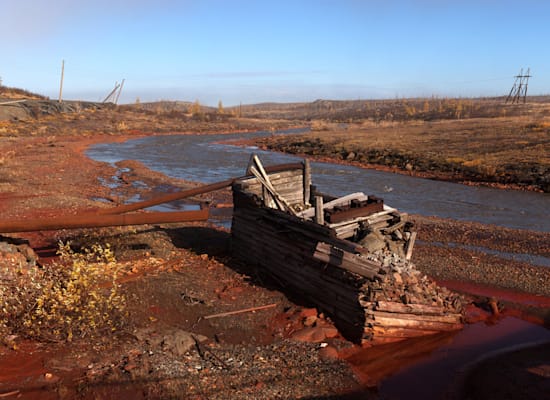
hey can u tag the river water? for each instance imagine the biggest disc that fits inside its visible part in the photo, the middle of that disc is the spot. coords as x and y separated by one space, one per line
203 158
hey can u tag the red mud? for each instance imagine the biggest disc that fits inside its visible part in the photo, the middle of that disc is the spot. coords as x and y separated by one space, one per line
24 373
497 293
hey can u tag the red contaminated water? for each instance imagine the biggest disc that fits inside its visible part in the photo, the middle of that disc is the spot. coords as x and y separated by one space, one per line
22 373
426 368
500 294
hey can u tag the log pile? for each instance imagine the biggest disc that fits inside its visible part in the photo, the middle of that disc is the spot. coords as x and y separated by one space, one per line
401 303
354 269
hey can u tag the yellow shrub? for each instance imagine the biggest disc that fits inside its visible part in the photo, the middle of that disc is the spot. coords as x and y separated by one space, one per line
75 296
472 163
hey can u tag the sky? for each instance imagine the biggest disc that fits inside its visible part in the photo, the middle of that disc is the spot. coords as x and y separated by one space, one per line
252 51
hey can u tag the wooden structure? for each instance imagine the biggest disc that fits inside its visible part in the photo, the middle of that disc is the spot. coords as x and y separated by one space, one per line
348 256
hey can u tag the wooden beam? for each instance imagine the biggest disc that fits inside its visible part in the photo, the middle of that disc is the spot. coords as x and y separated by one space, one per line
410 245
319 212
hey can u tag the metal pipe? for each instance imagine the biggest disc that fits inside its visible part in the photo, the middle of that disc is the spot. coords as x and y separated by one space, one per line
165 198
190 192
97 221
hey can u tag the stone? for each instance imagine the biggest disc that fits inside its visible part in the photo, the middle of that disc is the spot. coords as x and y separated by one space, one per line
310 335
350 156
308 312
397 278
179 342
328 353
373 242
330 332
310 321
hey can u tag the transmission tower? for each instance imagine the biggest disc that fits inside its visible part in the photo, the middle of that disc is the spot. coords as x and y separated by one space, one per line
519 90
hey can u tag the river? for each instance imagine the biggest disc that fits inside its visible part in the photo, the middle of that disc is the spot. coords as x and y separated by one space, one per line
203 158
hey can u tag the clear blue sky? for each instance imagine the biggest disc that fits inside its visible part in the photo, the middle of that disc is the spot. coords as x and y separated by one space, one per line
255 51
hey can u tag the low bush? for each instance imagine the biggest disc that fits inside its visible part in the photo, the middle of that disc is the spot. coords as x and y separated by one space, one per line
76 296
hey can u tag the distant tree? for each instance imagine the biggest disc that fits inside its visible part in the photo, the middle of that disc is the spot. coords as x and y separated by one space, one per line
458 109
409 109
196 108
426 107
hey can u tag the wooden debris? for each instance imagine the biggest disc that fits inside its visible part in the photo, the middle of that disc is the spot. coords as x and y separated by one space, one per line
356 268
246 310
12 393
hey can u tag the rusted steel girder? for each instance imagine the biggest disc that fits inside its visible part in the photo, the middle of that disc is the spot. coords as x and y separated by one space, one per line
97 221
165 198
190 192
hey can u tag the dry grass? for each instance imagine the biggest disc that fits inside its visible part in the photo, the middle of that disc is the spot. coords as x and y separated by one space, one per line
470 142
504 150
17 94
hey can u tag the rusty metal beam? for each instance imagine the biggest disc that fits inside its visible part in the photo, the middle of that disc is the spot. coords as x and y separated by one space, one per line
97 221
190 192
166 198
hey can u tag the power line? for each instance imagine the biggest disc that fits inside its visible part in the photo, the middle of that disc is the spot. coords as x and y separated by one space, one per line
519 90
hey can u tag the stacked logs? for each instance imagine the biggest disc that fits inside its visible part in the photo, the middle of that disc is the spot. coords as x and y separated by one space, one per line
403 303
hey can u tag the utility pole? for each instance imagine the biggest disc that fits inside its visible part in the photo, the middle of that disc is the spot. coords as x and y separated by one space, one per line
519 89
117 85
119 90
61 83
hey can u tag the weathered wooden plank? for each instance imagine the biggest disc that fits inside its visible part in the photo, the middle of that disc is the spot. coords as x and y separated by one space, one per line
295 175
409 246
399 225
319 213
335 216
262 177
294 185
273 257
307 182
395 307
370 220
307 283
347 231
398 332
443 318
339 201
415 324
276 255
342 259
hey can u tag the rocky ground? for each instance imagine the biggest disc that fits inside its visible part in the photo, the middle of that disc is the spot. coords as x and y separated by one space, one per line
179 278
